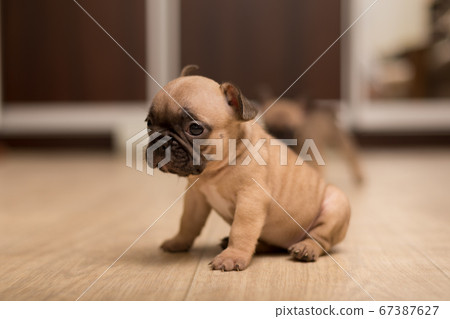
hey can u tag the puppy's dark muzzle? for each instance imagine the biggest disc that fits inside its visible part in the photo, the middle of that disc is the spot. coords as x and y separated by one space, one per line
157 150
172 154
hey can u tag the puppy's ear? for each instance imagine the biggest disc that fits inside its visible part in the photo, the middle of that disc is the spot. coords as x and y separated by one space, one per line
242 107
188 69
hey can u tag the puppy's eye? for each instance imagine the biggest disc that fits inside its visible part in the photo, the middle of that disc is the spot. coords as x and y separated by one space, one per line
195 129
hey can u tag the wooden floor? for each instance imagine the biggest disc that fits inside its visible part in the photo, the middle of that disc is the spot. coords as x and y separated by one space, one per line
64 219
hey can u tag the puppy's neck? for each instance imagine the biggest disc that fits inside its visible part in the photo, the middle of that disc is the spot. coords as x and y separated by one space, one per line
242 131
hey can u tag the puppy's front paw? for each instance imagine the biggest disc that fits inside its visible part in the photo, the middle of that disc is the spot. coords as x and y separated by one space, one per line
175 245
231 259
306 250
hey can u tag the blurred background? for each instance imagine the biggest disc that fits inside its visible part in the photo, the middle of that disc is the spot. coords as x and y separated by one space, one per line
66 84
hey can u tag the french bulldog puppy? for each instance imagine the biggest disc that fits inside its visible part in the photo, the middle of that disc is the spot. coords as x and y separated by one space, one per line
266 202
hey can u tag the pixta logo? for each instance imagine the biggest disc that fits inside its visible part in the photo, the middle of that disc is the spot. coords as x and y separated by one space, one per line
138 143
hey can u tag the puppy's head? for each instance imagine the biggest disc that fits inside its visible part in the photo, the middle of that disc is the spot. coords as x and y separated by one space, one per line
189 108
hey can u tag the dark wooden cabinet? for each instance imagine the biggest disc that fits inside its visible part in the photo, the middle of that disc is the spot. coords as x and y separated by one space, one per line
255 43
52 51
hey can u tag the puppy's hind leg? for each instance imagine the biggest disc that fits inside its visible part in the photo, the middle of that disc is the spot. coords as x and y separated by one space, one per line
329 228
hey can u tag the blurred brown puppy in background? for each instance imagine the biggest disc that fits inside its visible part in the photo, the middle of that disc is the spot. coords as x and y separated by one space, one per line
302 119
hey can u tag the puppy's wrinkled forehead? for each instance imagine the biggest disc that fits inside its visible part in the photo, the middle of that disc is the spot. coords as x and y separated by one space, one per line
201 97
